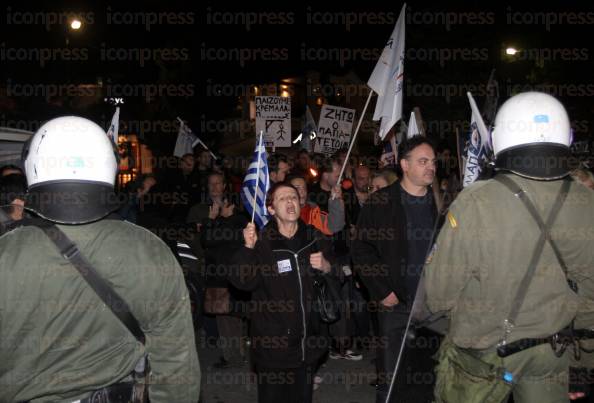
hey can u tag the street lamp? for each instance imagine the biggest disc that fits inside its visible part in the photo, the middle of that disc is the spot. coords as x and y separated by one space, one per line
511 51
75 24
284 91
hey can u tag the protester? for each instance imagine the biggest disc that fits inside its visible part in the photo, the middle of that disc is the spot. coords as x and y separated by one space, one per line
221 236
232 170
324 194
327 222
355 321
278 167
184 185
390 265
358 194
12 200
136 192
278 266
304 167
327 188
382 178
204 166
341 156
10 170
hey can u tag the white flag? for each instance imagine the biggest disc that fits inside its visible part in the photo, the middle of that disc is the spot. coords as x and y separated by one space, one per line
413 128
112 132
480 124
186 140
478 145
388 77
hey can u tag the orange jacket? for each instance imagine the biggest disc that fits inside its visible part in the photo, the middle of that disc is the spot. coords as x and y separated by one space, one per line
312 215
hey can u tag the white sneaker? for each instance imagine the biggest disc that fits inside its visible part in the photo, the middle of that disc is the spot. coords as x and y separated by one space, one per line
317 381
348 355
352 356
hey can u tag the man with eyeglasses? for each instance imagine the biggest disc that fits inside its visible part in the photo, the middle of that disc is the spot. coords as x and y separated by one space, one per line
393 234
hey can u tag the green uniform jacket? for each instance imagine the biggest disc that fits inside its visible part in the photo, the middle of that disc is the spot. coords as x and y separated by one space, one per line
484 249
59 342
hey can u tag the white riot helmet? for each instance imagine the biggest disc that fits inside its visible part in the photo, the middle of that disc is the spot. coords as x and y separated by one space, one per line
71 166
531 137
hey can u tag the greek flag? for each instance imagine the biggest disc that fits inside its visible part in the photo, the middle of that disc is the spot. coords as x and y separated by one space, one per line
253 195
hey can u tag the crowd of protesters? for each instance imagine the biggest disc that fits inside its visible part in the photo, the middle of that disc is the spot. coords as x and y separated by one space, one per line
259 295
197 210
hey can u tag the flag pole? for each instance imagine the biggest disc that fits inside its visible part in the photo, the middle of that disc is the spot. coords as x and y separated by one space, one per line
435 184
346 160
181 122
460 167
259 143
394 148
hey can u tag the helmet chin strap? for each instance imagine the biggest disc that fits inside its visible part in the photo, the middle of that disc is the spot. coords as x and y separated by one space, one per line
69 222
536 178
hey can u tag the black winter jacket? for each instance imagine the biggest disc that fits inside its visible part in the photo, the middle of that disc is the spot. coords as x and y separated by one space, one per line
380 248
285 331
220 239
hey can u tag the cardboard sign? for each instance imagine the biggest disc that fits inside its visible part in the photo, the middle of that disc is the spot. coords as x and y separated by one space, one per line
273 117
334 129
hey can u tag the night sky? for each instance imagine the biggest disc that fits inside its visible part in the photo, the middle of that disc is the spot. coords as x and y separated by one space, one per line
199 59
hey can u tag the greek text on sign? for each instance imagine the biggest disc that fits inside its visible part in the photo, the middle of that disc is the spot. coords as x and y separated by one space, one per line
273 117
334 129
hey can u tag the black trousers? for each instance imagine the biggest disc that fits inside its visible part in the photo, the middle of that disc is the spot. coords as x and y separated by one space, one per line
392 323
415 377
287 385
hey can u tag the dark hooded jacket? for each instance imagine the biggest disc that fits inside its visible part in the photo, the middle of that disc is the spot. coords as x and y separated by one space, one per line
285 329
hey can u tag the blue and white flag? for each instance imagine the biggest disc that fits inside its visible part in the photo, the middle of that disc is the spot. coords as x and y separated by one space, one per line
112 132
389 155
256 184
478 145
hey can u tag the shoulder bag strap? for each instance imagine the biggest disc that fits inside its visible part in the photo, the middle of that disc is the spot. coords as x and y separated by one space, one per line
544 237
69 250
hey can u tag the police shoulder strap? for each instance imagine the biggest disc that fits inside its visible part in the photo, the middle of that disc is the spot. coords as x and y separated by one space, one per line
69 250
544 237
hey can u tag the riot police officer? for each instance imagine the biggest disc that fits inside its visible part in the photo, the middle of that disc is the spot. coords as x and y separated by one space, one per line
91 308
512 266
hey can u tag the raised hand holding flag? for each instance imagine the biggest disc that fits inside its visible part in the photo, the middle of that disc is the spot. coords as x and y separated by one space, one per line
256 184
